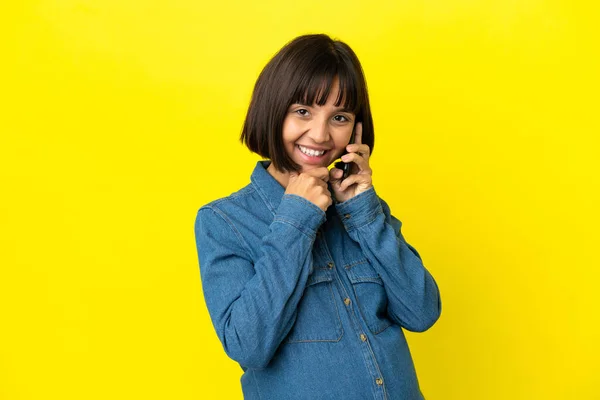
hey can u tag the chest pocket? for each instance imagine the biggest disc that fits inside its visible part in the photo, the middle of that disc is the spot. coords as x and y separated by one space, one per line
370 295
317 318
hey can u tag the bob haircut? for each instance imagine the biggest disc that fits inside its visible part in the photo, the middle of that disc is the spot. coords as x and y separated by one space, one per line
303 72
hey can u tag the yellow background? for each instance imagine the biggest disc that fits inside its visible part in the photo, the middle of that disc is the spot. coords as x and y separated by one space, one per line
119 119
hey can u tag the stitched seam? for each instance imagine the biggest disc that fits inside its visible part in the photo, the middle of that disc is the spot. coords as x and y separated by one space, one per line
362 261
256 383
293 223
243 192
370 218
386 325
411 290
303 200
319 275
340 328
374 279
246 191
379 373
263 196
363 313
357 197
230 224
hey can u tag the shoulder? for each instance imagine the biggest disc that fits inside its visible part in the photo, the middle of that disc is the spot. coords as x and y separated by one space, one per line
235 210
241 198
217 219
236 221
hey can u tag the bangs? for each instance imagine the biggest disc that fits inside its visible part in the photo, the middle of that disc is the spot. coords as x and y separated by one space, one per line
314 86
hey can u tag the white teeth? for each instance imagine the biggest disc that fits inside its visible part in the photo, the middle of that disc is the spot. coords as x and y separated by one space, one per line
310 152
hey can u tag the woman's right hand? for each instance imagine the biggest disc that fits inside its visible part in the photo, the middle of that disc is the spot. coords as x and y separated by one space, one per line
311 185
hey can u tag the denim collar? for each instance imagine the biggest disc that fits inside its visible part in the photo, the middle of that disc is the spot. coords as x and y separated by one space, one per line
270 190
266 186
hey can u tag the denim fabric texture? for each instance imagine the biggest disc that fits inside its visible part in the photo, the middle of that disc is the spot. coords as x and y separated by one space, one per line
313 304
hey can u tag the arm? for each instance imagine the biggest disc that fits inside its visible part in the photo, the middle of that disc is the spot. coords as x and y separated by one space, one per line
252 305
413 296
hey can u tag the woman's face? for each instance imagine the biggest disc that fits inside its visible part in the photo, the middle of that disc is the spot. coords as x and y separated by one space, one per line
315 136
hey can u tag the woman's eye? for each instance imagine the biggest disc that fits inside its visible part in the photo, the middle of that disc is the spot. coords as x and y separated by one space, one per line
340 118
302 112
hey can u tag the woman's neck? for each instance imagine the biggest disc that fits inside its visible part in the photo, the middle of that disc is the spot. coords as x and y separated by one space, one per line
281 177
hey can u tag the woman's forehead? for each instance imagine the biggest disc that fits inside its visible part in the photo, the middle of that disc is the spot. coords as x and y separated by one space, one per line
322 91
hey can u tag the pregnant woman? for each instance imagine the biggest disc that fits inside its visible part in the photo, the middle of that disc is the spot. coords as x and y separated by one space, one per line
307 277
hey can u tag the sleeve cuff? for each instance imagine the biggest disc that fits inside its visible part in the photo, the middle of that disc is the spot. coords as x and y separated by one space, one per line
360 210
300 213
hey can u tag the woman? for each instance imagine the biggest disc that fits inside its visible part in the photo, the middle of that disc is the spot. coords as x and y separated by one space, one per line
306 275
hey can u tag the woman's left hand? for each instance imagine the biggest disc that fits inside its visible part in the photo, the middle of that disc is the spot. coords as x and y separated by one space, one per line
360 178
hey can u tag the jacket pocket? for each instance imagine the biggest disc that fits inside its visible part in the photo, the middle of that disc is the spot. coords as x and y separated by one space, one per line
317 318
370 295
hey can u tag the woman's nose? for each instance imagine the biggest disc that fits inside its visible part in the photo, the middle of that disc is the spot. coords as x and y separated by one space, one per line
319 132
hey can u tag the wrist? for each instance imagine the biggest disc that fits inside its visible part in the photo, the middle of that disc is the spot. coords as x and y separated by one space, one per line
360 210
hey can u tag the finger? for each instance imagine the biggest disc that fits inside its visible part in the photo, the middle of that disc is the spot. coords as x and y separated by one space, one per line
321 173
355 179
362 149
328 202
335 174
321 183
362 163
358 133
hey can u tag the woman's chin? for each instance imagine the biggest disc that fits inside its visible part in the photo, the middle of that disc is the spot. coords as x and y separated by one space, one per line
307 167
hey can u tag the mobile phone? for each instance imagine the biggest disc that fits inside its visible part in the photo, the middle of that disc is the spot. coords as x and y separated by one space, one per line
346 167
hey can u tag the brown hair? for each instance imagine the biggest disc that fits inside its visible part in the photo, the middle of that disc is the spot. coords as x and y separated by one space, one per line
303 72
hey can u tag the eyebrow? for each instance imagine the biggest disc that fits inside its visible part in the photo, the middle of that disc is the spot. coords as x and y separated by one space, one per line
343 109
337 109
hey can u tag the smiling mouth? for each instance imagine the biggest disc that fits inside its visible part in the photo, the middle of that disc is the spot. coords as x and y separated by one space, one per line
311 152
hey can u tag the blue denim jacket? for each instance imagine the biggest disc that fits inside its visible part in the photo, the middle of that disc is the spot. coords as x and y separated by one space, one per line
311 304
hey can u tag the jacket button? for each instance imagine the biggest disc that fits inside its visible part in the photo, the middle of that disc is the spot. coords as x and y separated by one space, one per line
347 301
363 337
330 265
347 216
379 381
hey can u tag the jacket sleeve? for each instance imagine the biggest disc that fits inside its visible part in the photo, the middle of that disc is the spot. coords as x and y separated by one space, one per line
413 296
252 303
